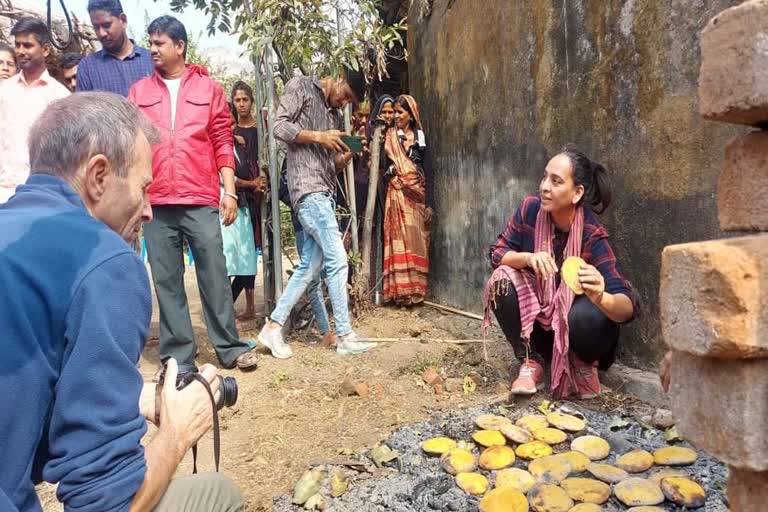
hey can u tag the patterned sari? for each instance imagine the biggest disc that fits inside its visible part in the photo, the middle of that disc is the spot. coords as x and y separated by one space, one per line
406 223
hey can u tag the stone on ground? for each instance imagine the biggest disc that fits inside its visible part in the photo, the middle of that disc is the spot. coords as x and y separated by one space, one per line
747 490
741 203
714 298
516 478
587 490
721 407
549 498
636 461
638 491
733 79
504 499
683 492
607 473
596 448
472 483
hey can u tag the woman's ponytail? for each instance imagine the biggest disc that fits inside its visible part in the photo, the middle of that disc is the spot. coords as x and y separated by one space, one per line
592 176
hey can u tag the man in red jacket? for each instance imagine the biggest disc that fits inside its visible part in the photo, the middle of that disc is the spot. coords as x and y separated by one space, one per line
191 113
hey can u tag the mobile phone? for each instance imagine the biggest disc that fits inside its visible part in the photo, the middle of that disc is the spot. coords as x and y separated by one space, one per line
355 144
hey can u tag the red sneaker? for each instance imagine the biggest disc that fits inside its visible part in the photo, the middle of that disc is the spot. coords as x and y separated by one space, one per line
530 374
587 380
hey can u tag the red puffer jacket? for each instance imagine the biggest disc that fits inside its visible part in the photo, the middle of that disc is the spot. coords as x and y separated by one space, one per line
185 165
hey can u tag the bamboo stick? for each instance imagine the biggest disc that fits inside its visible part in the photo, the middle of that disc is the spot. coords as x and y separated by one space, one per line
453 310
428 340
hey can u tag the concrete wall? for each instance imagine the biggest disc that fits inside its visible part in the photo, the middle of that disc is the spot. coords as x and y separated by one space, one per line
502 84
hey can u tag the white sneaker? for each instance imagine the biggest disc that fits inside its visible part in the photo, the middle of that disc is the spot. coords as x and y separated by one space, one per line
273 340
350 345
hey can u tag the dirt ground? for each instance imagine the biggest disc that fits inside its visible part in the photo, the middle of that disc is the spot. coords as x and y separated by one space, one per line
290 412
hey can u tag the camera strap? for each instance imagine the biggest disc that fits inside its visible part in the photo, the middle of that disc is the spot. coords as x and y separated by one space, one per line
216 434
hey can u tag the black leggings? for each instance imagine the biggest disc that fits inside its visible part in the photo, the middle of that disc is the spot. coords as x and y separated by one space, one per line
592 335
242 282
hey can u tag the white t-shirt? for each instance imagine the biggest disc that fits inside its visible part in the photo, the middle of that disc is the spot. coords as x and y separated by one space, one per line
173 88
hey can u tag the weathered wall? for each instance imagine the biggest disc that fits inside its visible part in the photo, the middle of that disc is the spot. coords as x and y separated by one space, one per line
502 84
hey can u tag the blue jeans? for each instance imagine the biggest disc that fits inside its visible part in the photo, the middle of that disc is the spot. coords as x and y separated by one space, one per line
314 291
323 250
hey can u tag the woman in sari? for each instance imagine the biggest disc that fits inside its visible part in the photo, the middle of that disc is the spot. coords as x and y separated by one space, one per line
541 316
406 216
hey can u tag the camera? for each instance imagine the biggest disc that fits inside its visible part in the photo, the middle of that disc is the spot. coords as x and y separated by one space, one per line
227 385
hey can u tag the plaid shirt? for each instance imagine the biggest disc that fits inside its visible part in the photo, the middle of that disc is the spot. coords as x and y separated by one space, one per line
595 250
102 71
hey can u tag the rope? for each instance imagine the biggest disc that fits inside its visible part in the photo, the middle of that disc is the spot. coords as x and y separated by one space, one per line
57 45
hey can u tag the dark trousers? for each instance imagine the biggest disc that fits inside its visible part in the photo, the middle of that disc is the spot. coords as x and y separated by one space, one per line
164 236
240 283
592 336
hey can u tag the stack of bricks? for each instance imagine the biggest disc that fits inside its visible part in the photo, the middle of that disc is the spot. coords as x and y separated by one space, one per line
714 295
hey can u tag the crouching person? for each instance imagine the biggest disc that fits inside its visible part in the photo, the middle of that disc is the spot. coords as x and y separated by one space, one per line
541 316
75 313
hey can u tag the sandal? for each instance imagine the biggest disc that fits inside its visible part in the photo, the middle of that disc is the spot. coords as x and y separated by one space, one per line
247 360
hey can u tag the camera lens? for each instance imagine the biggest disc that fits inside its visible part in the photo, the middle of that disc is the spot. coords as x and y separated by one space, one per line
228 392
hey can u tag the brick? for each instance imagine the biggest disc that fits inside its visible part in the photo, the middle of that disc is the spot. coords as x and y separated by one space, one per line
747 490
714 297
741 199
721 406
733 79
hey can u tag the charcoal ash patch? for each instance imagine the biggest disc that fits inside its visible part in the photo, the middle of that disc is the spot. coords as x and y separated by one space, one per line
421 484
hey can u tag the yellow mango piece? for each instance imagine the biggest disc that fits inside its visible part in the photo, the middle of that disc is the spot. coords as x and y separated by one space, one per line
549 498
438 445
532 422
596 448
587 490
550 470
566 422
646 509
550 435
533 450
516 478
504 499
586 507
638 491
459 461
491 422
674 456
636 461
516 434
683 492
569 272
497 457
488 438
664 473
473 483
578 460
607 473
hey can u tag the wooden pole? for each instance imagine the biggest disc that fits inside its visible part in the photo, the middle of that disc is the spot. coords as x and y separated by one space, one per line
370 205
453 310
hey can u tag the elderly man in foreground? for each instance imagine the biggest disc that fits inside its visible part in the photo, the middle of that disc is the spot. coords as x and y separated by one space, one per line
75 310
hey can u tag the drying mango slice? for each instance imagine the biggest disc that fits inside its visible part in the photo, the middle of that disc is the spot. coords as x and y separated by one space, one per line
473 483
491 422
516 434
586 507
664 473
550 470
569 271
516 478
533 450
550 435
504 499
607 473
674 456
459 461
638 491
532 422
683 492
438 445
549 498
587 490
488 438
646 509
596 448
578 460
497 457
635 461
566 422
